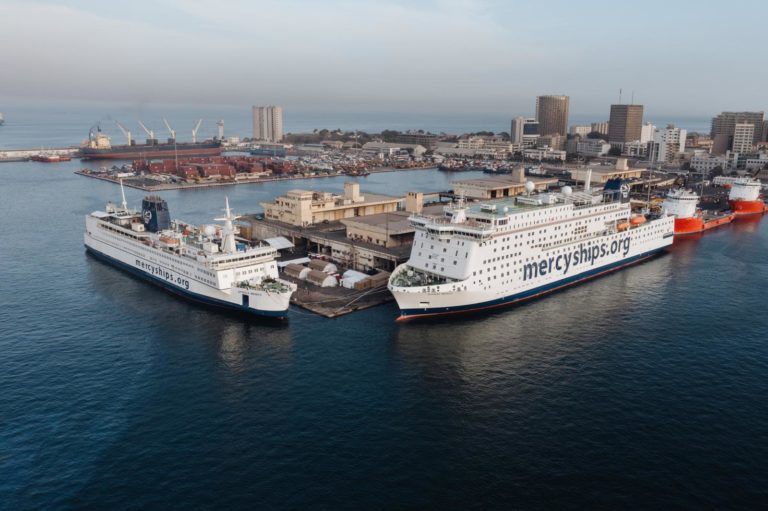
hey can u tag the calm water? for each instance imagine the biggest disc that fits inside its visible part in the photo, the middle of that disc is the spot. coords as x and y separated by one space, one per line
643 389
61 125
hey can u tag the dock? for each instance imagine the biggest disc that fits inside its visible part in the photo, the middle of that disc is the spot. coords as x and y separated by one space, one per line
332 302
11 155
153 185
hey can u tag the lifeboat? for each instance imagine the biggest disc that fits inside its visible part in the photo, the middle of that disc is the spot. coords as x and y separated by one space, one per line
623 226
637 220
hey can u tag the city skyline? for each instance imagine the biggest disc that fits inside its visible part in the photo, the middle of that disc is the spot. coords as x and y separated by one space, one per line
509 54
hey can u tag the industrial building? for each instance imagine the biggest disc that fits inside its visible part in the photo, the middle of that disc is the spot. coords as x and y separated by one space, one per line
601 175
305 207
500 186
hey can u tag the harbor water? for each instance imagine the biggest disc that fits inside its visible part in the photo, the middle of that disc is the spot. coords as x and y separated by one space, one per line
645 388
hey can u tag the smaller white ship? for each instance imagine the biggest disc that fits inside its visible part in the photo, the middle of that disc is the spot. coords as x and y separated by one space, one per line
207 264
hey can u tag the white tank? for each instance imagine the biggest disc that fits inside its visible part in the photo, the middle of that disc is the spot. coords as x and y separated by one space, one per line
745 189
680 203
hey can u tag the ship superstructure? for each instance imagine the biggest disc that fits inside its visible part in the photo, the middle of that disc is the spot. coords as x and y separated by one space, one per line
208 264
496 253
745 199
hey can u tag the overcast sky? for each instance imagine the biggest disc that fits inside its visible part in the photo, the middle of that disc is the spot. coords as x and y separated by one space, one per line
679 57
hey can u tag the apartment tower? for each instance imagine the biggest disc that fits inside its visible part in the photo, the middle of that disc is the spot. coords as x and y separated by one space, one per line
268 123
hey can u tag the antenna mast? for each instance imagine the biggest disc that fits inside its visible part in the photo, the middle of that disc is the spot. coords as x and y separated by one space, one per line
122 192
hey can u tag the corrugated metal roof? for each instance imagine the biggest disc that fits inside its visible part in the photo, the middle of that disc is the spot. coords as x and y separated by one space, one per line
279 242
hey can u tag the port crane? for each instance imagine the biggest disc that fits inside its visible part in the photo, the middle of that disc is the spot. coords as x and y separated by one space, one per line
125 131
150 133
194 130
170 130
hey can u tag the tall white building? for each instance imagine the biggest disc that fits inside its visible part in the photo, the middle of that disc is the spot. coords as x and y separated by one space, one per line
668 143
743 137
268 123
516 130
646 132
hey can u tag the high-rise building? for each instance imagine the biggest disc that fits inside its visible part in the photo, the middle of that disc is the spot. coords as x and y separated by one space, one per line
625 124
743 137
268 123
724 125
668 143
552 115
516 130
525 131
600 127
647 132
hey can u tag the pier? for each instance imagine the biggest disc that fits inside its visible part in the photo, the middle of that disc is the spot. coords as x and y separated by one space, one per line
8 155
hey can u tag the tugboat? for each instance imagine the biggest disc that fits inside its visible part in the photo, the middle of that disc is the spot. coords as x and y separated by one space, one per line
689 219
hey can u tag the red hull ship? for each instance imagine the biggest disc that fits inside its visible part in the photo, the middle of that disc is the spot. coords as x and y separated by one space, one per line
745 199
689 219
50 158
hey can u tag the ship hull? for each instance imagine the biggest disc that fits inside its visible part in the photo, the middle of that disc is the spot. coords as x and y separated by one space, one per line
144 152
747 207
514 299
695 225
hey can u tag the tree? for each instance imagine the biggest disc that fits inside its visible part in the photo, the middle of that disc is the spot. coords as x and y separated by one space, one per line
717 171
597 134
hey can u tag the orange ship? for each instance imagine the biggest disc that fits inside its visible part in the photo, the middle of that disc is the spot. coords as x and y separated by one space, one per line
745 199
689 219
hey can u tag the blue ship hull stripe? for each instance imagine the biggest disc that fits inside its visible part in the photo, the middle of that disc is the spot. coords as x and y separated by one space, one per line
196 297
531 293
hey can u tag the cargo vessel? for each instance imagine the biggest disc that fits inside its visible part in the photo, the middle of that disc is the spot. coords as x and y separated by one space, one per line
689 219
745 198
50 158
99 147
494 254
206 264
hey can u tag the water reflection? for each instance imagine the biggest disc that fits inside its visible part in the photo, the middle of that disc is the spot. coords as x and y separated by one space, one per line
534 342
231 332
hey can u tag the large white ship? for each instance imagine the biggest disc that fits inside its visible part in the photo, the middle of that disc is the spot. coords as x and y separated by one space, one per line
206 264
493 254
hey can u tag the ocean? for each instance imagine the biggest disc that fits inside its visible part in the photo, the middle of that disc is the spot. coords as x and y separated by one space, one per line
67 124
643 389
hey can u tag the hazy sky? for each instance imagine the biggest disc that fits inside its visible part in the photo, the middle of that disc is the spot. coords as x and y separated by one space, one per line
680 57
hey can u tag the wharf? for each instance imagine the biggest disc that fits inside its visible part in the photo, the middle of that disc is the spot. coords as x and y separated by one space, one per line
152 185
9 155
333 302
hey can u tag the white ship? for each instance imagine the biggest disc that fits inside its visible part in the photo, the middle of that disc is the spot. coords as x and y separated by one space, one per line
207 264
490 255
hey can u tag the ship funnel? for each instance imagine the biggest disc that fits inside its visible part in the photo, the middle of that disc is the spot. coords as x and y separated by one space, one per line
588 179
154 211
